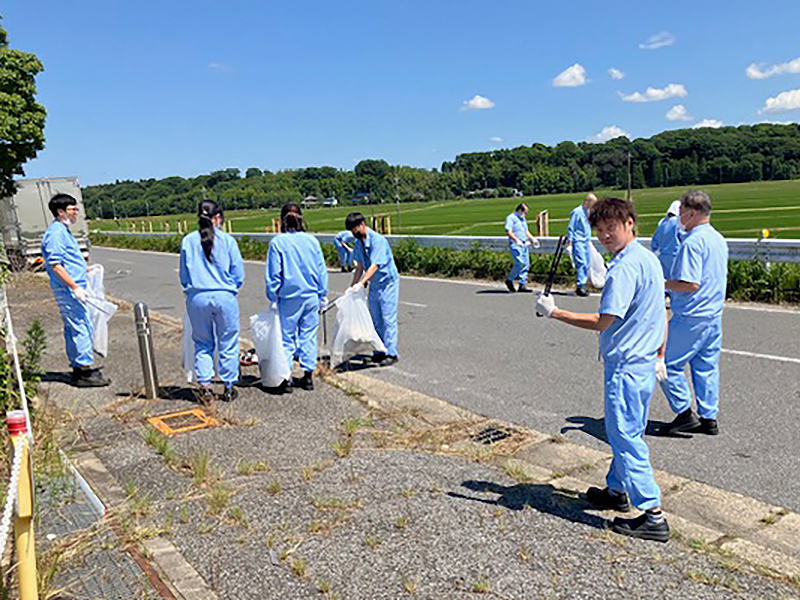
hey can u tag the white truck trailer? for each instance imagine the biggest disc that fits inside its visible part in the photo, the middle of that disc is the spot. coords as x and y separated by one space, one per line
25 216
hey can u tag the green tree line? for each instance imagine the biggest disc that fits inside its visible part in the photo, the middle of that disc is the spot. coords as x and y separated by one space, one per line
683 157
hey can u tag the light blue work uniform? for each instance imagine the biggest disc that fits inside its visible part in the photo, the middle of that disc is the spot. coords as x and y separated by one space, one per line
297 279
695 329
345 255
579 232
634 293
666 242
59 247
210 287
384 286
519 252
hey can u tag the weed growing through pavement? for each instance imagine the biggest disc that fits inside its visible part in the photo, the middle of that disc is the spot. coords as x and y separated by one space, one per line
246 467
516 471
237 516
372 542
343 447
481 586
299 566
274 487
183 515
199 465
401 522
409 585
219 496
160 443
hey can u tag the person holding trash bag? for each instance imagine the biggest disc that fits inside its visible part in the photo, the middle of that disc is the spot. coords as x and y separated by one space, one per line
519 240
375 265
297 279
343 242
631 321
211 273
68 280
579 233
666 240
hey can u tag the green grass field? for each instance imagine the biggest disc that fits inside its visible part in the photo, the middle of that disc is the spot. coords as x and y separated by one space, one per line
740 210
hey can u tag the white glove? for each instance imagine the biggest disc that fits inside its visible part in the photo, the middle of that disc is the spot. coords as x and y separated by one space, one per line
323 304
356 287
81 294
527 242
273 306
535 243
661 369
545 305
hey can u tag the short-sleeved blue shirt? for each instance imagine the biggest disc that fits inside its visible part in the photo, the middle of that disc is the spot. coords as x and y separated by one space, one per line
518 226
579 229
702 259
634 293
59 247
375 250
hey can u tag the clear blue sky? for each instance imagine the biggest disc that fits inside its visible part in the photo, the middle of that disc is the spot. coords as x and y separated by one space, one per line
176 87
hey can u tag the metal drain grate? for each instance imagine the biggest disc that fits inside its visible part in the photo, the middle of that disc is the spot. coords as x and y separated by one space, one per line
493 434
183 421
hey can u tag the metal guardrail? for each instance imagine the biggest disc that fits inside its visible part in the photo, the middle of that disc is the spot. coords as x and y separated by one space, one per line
767 250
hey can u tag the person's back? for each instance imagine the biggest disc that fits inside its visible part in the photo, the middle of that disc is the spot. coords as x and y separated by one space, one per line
702 259
222 273
579 229
296 267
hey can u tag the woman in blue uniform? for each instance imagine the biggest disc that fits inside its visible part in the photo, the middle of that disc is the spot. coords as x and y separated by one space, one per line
212 272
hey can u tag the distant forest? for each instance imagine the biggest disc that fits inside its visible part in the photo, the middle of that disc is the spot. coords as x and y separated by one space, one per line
683 157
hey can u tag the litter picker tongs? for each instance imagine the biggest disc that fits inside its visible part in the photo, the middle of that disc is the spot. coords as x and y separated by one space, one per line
551 276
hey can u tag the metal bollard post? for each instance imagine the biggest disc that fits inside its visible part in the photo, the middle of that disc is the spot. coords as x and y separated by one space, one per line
23 522
145 336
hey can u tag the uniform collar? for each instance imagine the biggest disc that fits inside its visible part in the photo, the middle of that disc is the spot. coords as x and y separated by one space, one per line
631 247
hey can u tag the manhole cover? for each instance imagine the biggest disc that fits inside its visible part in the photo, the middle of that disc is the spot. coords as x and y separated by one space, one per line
493 434
183 421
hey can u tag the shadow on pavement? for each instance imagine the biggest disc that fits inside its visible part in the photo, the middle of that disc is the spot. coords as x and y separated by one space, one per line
495 292
57 377
543 497
596 428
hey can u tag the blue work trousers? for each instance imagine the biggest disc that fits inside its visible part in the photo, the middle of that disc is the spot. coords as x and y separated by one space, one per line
299 325
78 332
345 256
581 257
628 390
696 341
383 310
215 324
522 262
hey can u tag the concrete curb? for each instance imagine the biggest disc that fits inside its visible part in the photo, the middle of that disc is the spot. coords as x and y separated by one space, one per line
757 532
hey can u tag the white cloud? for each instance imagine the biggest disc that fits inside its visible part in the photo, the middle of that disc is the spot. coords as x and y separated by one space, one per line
477 102
659 40
712 123
673 90
496 140
221 67
616 74
571 77
678 113
608 133
755 71
782 102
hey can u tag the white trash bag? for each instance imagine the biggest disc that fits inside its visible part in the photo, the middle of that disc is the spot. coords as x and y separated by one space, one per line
100 310
353 332
597 268
265 327
187 344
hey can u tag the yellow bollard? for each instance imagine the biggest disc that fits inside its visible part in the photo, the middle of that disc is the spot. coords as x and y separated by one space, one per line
23 523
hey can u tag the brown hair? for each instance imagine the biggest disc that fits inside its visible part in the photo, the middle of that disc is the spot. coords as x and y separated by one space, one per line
292 218
612 209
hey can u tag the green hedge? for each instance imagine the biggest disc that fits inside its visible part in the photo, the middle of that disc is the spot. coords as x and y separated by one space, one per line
747 280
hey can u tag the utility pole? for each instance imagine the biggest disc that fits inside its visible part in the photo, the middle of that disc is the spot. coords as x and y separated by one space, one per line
397 198
114 207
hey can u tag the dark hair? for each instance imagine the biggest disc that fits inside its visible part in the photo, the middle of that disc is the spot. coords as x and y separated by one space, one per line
206 211
521 206
612 209
353 220
697 200
292 218
60 202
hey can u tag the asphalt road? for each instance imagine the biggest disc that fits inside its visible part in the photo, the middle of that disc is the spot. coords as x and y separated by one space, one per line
481 348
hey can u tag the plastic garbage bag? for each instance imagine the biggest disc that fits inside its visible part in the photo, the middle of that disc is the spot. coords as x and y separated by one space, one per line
353 332
100 310
265 327
597 268
187 344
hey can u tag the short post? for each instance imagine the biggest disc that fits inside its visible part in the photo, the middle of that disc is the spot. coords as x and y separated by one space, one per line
146 353
23 522
543 223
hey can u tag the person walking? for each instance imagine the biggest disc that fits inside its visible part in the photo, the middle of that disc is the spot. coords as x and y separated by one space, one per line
579 233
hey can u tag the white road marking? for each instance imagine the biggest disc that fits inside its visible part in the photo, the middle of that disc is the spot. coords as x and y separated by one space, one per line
784 311
119 260
413 304
787 359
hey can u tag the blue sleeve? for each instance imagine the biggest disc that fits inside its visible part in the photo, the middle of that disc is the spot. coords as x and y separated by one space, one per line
380 253
237 264
617 292
573 223
274 273
358 253
183 270
655 241
688 265
322 270
53 247
509 223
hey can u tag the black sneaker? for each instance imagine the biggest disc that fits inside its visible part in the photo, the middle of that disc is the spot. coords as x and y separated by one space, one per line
510 286
708 426
641 528
581 291
305 382
524 289
204 395
378 357
683 423
230 394
607 500
87 378
389 361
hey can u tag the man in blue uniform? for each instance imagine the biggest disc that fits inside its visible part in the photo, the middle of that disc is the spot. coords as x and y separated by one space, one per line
68 280
666 240
579 233
375 265
631 324
697 287
519 240
343 242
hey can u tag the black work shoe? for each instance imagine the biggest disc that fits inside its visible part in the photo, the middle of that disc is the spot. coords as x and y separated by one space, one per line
204 395
230 394
683 423
86 378
510 286
285 387
389 361
305 382
581 291
641 528
607 500
708 426
524 290
378 357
